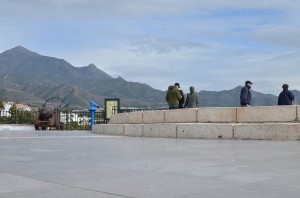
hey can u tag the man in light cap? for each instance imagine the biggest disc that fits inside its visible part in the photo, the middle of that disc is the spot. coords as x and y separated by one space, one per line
192 99
245 96
181 101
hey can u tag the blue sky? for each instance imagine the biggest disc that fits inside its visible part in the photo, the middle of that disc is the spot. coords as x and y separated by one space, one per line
212 45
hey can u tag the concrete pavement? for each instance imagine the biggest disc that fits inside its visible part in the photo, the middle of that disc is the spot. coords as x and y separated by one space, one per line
81 164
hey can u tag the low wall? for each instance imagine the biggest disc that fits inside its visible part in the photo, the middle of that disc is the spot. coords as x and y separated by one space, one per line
261 131
256 123
212 115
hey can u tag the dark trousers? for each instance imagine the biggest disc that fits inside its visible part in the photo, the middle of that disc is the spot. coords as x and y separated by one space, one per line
173 107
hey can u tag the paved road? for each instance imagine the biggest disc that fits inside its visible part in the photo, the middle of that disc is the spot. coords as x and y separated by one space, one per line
81 164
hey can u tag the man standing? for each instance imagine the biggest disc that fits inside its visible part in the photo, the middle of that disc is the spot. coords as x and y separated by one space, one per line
173 96
245 96
181 101
192 99
286 97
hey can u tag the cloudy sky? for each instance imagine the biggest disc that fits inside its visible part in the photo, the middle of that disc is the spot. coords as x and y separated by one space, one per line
213 45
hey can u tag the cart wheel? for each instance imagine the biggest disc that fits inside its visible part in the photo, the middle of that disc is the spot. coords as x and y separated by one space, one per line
44 128
37 127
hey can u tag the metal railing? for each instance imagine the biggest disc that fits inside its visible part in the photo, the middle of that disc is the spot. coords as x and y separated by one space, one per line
71 119
18 117
80 120
128 110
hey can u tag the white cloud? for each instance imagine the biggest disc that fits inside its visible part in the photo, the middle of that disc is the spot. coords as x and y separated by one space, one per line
148 45
280 35
159 42
116 8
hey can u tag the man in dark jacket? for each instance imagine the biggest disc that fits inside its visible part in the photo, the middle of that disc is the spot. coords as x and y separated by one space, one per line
192 99
245 96
181 101
286 97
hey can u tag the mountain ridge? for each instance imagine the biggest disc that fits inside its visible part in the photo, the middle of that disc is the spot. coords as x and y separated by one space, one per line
31 78
30 72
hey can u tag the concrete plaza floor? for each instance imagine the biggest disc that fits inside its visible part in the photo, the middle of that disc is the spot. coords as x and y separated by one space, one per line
81 164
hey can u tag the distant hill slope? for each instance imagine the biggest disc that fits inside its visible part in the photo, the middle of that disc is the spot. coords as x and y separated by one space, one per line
231 98
30 78
297 96
30 73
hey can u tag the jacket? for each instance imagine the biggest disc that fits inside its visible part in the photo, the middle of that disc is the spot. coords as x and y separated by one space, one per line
286 97
245 96
192 101
181 101
173 96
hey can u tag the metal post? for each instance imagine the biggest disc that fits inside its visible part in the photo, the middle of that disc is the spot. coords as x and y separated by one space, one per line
92 109
92 114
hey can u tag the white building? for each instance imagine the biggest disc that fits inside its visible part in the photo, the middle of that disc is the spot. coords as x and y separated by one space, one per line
5 110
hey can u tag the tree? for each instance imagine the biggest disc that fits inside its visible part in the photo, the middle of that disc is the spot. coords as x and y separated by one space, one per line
1 105
13 113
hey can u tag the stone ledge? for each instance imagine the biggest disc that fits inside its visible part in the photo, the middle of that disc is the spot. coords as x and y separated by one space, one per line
151 117
160 130
267 114
120 118
212 115
217 115
245 131
135 117
205 131
181 116
133 130
267 131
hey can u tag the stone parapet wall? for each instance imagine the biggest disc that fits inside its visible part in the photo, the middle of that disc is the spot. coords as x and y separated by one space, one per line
255 123
212 115
252 131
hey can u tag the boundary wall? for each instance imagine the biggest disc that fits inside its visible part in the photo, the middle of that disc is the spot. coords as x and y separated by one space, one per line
257 123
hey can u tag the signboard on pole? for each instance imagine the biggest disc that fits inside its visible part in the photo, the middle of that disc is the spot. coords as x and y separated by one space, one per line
112 106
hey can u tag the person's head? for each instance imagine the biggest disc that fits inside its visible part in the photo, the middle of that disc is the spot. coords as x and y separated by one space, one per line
285 86
248 83
177 85
192 89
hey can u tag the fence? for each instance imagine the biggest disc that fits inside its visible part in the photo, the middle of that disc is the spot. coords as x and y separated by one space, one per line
70 119
80 120
128 110
18 117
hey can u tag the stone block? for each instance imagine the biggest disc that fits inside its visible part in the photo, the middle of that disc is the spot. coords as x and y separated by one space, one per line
120 118
205 131
159 130
98 128
113 129
220 114
135 117
266 114
298 113
133 130
263 131
181 116
151 117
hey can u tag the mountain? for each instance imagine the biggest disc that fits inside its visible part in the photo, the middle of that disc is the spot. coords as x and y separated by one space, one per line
30 78
297 96
93 72
230 98
29 73
19 60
